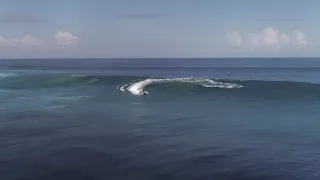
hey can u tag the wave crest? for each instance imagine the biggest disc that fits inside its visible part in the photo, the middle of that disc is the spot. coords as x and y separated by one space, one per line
137 88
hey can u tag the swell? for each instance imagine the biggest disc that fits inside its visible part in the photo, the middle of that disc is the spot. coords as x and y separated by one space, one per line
247 87
48 81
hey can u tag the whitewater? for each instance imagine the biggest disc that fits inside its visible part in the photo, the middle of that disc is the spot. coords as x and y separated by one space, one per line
138 88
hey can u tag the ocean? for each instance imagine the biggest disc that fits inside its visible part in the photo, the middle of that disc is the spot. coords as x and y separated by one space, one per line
202 119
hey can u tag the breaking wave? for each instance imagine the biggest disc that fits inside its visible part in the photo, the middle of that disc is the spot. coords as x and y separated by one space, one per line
138 85
138 88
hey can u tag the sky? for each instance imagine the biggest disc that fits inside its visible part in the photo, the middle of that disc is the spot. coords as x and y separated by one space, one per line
158 28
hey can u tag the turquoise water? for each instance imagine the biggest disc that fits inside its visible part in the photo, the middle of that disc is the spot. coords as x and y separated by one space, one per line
227 119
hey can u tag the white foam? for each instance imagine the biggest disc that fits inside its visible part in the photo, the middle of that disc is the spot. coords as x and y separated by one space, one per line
124 87
138 87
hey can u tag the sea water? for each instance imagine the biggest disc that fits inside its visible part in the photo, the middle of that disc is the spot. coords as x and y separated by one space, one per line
225 119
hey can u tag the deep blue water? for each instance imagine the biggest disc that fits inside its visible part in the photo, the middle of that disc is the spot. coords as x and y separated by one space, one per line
225 119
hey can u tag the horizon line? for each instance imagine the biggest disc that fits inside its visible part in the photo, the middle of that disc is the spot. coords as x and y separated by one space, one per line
244 57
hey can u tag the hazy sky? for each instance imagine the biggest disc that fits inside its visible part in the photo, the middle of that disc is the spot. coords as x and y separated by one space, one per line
159 28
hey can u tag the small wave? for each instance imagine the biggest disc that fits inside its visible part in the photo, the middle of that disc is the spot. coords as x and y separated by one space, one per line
91 81
77 75
4 75
137 88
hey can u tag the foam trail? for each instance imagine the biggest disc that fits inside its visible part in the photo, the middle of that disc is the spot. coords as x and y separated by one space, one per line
138 87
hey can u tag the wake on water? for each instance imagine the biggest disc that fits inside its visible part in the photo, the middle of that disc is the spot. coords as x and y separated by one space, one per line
138 88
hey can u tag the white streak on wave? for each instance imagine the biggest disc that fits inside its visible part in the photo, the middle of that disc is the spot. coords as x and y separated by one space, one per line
138 87
77 75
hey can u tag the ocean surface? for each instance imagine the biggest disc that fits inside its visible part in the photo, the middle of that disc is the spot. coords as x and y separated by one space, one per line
202 119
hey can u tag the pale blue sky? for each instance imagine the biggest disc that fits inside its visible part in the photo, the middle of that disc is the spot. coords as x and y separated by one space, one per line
159 28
